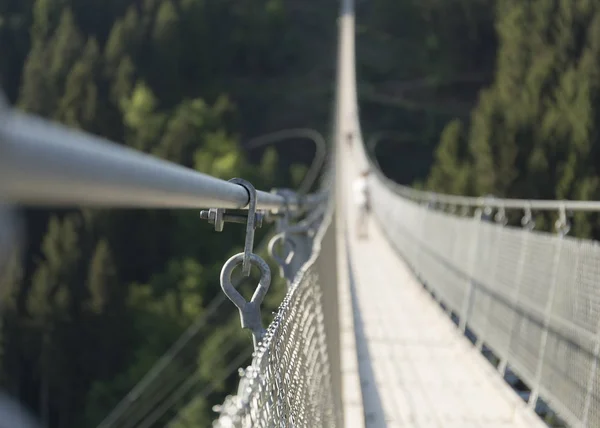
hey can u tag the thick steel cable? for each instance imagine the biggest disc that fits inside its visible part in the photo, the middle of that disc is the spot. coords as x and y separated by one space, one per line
43 163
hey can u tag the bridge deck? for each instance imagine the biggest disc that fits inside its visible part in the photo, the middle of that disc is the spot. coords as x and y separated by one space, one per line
416 369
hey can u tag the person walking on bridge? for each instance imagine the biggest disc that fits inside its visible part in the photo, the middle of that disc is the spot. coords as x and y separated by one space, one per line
360 189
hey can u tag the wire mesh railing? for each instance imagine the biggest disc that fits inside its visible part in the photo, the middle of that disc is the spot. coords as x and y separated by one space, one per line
530 296
290 381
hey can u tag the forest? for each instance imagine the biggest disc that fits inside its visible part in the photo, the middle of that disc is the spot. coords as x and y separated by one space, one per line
467 97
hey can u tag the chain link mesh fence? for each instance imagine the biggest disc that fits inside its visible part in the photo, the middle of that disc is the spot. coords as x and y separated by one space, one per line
290 381
532 297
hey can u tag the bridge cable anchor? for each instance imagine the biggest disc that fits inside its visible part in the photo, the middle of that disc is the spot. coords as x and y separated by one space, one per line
250 315
562 224
252 218
527 221
500 216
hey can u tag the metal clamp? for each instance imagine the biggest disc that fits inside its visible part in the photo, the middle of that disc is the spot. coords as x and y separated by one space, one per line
562 225
527 221
252 218
249 311
500 217
283 221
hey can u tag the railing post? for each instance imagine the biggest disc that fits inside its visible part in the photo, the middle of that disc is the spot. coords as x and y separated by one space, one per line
562 227
590 386
421 238
494 258
528 224
474 247
453 252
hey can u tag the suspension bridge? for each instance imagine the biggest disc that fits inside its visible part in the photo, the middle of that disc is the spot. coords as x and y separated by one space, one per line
372 332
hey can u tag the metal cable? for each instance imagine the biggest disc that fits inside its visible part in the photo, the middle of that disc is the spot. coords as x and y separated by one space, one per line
318 160
184 388
165 392
44 163
163 363
487 201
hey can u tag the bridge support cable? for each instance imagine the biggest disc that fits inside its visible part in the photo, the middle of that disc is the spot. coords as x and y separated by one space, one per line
140 395
171 393
207 390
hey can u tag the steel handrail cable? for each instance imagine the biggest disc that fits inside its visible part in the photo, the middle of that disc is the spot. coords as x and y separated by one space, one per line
43 163
424 196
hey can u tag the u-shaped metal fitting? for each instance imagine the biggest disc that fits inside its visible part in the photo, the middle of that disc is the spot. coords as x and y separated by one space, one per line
285 260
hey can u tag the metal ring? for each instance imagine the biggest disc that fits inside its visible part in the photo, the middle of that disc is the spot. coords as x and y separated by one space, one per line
249 311
274 240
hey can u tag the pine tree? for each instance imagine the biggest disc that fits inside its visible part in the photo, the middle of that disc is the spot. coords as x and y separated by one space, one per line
37 93
122 83
166 75
534 132
102 279
77 108
450 171
183 133
123 40
144 123
65 47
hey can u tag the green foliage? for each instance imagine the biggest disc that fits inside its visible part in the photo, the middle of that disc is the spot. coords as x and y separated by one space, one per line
534 131
450 173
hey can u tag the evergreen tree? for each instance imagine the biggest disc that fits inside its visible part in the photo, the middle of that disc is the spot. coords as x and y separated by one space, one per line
37 95
534 131
450 171
123 40
102 279
66 46
143 123
78 106
167 51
